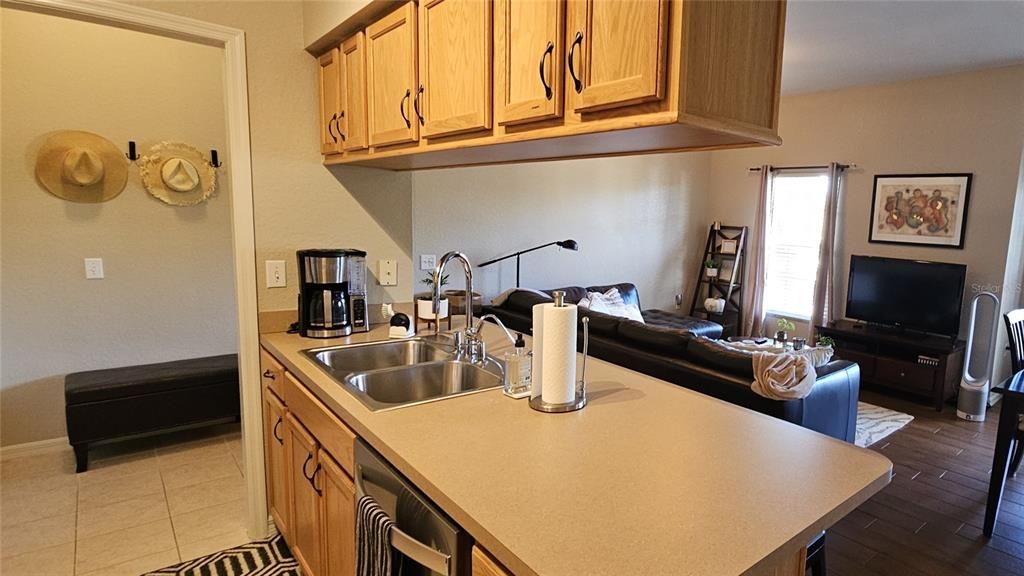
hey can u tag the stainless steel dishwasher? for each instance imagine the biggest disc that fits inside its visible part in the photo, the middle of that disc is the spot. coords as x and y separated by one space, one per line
425 541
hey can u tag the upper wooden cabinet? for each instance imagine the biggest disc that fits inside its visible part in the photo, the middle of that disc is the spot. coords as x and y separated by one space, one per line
352 118
528 57
562 79
329 102
616 52
392 72
455 66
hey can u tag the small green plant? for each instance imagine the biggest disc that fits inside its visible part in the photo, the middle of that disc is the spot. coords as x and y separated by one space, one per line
785 325
429 280
711 263
825 341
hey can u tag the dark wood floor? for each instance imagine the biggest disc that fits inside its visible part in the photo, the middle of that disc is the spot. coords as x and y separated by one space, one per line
928 521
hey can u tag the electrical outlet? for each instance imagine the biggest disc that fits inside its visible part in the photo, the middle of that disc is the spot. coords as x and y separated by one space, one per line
94 268
276 274
428 261
387 272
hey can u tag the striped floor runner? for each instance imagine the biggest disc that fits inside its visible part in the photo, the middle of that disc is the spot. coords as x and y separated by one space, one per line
261 558
875 423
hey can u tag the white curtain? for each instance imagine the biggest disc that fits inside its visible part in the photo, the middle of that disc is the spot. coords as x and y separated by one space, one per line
753 299
824 285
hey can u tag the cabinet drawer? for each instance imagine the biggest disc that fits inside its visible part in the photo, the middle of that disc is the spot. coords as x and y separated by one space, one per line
865 361
334 436
906 375
272 373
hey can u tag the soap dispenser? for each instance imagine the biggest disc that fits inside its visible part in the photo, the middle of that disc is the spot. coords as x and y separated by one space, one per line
518 370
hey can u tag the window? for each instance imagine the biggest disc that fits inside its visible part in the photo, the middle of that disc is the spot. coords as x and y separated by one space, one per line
796 213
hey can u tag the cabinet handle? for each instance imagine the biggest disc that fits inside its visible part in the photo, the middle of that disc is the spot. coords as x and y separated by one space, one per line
269 375
304 464
330 127
337 125
401 108
280 439
416 104
544 77
576 82
312 480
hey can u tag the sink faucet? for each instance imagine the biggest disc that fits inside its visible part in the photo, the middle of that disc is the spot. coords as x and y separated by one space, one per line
467 342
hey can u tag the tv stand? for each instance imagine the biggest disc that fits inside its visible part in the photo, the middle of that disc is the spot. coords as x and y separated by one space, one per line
918 364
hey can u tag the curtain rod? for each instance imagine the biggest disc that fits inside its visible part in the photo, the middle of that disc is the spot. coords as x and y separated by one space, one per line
843 166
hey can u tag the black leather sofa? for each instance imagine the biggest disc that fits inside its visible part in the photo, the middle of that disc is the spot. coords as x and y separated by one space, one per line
683 350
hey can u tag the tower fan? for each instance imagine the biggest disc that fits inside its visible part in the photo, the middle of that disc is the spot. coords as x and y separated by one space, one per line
973 401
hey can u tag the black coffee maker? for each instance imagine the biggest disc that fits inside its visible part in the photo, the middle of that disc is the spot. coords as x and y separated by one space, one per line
332 292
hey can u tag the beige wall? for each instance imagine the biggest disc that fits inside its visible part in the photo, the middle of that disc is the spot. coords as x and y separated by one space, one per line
297 202
321 16
169 288
972 122
638 219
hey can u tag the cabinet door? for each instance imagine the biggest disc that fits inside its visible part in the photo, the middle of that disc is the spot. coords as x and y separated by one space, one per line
391 69
272 373
352 118
455 66
339 518
329 99
528 59
616 54
305 499
485 565
276 462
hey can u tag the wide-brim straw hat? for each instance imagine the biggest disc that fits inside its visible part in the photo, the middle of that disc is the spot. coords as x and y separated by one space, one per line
177 174
81 166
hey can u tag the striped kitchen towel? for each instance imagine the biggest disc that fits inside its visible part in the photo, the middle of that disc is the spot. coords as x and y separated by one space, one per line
373 538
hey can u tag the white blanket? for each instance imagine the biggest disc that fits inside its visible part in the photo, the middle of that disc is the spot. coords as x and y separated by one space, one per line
782 376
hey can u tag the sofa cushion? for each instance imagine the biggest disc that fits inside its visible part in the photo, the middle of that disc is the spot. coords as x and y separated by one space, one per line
714 354
601 324
524 301
573 294
654 338
695 326
628 291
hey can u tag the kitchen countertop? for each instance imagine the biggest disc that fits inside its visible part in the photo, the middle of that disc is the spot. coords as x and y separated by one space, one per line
648 479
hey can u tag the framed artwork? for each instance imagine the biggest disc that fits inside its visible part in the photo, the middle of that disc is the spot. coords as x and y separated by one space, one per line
920 209
728 247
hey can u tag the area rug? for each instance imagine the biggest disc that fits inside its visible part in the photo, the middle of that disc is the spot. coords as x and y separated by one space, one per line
261 558
875 423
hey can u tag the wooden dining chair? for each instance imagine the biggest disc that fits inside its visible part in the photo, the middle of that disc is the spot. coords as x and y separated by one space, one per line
1015 334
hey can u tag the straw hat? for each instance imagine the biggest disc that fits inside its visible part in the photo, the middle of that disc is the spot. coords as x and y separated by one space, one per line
177 174
81 167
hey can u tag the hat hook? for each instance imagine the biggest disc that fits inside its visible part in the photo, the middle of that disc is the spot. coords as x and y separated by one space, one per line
132 154
214 161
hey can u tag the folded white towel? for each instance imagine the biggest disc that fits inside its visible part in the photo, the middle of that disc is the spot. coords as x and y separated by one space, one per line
611 303
782 376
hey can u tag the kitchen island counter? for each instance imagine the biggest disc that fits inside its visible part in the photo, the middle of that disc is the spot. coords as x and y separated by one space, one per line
649 479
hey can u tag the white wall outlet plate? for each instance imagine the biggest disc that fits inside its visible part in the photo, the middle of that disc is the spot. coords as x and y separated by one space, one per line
428 261
276 276
94 268
387 272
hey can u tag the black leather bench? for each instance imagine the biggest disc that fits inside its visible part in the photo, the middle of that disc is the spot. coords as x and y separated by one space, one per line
117 403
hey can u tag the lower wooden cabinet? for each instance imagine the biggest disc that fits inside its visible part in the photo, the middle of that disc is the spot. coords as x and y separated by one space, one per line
338 498
276 462
306 533
485 565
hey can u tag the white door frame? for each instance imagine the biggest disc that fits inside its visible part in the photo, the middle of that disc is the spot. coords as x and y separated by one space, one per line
239 162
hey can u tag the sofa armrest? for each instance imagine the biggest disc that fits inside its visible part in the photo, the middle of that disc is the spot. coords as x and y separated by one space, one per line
831 407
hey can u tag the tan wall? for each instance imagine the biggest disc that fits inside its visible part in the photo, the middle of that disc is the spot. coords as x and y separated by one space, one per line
972 122
169 287
321 16
638 219
297 202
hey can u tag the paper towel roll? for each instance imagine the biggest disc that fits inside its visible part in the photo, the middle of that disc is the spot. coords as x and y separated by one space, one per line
558 367
538 349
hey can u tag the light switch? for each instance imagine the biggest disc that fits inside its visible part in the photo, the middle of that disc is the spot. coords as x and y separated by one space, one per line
428 261
94 268
276 277
387 272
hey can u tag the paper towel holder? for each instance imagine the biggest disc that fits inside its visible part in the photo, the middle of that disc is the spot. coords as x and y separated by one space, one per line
538 403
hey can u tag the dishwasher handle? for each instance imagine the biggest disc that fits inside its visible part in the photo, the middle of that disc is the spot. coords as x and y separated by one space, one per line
413 549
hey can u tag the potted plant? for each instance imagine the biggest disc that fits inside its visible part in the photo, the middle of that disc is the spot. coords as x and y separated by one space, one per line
785 326
425 301
711 267
825 341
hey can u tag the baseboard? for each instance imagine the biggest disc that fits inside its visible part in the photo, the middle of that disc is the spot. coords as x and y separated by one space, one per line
34 448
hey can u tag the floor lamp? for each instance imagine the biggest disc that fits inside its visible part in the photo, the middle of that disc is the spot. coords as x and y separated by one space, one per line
567 244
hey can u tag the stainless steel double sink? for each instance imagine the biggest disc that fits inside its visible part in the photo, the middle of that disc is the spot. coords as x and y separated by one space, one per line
399 373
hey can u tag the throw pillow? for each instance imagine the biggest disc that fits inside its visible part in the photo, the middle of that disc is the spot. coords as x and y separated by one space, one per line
611 303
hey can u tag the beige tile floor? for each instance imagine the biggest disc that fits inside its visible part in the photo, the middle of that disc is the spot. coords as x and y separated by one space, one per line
142 505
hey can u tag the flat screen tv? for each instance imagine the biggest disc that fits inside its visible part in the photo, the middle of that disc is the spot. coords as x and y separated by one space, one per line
910 294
